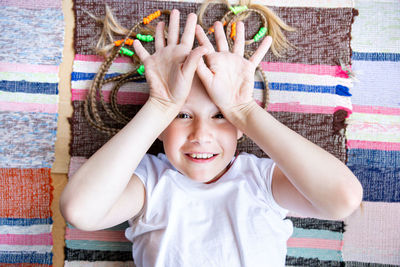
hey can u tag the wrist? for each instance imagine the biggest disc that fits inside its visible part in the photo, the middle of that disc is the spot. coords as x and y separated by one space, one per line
163 108
238 115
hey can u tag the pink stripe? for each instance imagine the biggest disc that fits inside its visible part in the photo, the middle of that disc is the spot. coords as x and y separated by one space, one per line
29 107
296 242
123 98
293 107
354 144
103 235
28 240
96 58
376 110
335 71
16 67
33 4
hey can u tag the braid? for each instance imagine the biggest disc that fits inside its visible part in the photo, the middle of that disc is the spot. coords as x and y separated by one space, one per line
271 25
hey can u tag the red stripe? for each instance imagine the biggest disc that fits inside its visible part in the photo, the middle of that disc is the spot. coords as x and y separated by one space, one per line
296 242
123 98
25 193
335 71
376 110
103 235
95 58
353 144
27 240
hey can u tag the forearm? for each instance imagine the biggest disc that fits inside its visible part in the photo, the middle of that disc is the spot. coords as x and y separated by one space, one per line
97 185
315 173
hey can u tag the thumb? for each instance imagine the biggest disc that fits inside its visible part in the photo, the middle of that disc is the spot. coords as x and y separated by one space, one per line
191 62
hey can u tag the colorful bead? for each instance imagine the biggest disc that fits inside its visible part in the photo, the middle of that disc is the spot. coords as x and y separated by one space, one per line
127 42
238 9
145 38
260 34
211 29
126 52
152 16
140 70
233 30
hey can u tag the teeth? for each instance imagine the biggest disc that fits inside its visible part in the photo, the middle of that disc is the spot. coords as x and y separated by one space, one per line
201 156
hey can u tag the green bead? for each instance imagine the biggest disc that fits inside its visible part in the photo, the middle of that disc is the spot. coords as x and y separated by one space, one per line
144 38
238 9
126 52
140 70
260 34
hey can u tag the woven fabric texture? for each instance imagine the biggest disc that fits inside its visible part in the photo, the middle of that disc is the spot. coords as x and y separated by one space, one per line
31 44
309 92
373 138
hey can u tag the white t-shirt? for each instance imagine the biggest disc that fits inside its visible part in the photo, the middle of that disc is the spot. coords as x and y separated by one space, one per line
232 222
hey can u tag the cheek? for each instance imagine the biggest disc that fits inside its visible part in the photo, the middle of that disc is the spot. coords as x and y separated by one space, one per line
172 137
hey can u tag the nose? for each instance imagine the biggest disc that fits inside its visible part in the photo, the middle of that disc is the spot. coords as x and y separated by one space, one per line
201 132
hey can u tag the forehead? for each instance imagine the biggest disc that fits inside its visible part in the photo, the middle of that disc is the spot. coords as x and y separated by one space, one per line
198 96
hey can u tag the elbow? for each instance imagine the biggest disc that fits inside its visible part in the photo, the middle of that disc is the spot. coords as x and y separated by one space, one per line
73 215
349 199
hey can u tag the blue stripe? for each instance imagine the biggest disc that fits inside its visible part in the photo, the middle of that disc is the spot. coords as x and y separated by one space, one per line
375 158
98 245
83 76
24 222
321 254
29 87
375 56
338 89
379 183
314 233
26 257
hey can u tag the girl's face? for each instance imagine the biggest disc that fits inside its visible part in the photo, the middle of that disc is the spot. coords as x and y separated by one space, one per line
200 142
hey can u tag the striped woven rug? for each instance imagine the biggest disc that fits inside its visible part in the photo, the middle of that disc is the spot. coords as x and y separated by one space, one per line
31 43
310 91
373 133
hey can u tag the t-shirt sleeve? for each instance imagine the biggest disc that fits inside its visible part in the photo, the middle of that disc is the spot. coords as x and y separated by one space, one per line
150 169
266 167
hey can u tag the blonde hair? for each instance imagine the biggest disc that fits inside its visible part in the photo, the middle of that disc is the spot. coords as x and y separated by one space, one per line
110 49
269 19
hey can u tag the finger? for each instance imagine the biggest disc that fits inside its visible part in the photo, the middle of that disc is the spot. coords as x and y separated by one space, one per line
173 27
188 33
261 50
159 36
205 74
140 51
203 39
220 38
238 47
192 60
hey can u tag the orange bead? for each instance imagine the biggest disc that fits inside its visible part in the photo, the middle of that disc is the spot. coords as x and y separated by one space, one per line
129 42
118 43
233 30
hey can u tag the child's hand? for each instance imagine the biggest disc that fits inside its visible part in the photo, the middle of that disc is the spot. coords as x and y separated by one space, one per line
229 77
170 70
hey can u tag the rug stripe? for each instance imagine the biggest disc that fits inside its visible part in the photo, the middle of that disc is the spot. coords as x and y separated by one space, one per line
25 257
32 4
46 32
29 87
27 240
372 234
103 235
99 264
96 255
374 78
379 34
25 248
28 107
29 77
25 221
373 158
376 110
375 56
28 68
28 98
99 245
321 254
24 189
25 230
354 144
30 128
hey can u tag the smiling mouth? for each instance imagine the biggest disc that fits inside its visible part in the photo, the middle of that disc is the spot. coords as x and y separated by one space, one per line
201 157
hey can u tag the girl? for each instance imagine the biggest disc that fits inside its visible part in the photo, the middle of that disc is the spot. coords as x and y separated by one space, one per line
199 204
